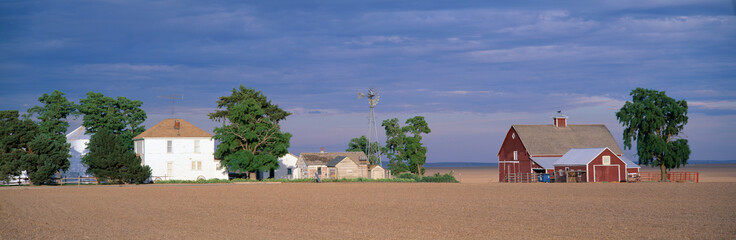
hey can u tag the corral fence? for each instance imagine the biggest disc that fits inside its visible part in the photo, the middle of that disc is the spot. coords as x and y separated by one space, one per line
75 180
521 177
671 176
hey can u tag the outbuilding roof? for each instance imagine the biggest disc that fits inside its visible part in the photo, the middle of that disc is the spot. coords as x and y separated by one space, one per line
337 160
551 140
579 156
546 162
317 158
168 128
629 163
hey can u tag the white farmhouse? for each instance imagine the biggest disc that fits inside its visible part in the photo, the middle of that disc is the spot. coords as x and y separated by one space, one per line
177 150
78 139
287 167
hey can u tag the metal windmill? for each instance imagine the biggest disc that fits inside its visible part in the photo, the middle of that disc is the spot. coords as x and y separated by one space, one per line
373 97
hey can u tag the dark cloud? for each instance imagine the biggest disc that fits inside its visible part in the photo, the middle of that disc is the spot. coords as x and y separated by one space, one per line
426 56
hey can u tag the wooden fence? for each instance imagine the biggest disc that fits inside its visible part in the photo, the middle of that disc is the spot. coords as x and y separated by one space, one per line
671 176
521 177
76 180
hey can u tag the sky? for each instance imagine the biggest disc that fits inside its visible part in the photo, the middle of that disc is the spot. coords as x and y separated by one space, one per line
471 68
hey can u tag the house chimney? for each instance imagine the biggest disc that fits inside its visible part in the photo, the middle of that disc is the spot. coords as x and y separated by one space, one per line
560 120
322 150
176 124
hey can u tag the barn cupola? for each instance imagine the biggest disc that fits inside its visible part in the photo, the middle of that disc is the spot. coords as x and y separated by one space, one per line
560 120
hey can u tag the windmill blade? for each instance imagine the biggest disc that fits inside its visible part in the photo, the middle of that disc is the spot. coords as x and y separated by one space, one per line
360 95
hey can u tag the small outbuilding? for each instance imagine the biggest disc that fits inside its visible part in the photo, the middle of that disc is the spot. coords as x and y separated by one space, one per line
344 167
590 165
377 172
311 165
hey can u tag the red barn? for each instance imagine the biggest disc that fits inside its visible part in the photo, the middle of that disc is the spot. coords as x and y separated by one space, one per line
590 165
529 149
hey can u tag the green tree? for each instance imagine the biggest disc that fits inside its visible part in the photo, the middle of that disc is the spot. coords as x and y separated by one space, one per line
109 160
250 137
53 114
655 121
404 146
48 151
361 145
44 157
15 136
122 116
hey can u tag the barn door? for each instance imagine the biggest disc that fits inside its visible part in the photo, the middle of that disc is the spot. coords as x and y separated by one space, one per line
608 173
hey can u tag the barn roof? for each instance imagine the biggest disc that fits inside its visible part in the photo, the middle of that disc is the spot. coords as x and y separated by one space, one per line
579 156
166 128
551 140
629 163
325 158
546 162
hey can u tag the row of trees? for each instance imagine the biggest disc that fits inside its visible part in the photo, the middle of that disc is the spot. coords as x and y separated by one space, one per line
404 147
40 149
251 138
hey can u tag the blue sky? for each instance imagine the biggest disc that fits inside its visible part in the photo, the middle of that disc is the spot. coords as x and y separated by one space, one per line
472 68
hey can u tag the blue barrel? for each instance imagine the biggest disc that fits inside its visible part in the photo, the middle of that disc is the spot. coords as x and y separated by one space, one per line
543 177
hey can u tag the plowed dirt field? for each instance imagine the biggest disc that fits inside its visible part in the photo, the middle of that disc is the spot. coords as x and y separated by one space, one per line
477 210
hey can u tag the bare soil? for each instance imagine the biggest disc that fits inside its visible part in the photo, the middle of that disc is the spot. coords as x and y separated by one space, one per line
478 208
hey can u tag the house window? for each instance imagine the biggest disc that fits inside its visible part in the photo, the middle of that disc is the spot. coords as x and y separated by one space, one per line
168 146
606 160
319 171
199 165
194 165
196 146
350 171
288 171
139 147
516 155
169 168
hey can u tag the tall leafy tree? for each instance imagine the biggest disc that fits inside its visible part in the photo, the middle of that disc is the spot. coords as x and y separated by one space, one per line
109 160
361 145
122 116
404 146
250 137
654 121
53 114
48 152
15 136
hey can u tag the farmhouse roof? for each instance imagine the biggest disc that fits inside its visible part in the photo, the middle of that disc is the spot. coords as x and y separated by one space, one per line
325 158
78 134
170 128
546 162
579 156
550 140
629 163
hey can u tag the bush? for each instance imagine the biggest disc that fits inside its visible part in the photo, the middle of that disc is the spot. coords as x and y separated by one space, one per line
437 177
443 178
409 176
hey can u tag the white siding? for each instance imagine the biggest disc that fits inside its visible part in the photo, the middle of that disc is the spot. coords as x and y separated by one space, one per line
185 163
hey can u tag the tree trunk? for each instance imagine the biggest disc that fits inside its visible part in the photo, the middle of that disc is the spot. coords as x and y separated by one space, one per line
663 170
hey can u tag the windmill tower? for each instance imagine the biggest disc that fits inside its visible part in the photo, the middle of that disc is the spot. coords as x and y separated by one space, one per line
372 96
